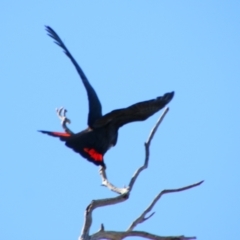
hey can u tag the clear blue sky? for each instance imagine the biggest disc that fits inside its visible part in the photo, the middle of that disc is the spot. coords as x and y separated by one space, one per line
131 51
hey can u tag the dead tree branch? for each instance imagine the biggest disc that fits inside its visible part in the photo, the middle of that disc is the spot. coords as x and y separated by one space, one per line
93 205
147 149
124 195
110 186
102 170
142 217
121 235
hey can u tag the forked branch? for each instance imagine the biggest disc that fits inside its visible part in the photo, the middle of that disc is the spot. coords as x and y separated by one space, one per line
102 170
124 195
142 218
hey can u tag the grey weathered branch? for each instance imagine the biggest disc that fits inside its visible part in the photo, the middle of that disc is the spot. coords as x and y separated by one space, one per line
143 218
121 235
109 185
102 170
147 149
61 112
124 195
93 205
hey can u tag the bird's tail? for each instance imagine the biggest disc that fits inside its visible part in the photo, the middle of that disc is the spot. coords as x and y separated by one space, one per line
61 135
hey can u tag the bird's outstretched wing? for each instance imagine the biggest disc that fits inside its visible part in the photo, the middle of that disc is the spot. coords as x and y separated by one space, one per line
136 112
95 108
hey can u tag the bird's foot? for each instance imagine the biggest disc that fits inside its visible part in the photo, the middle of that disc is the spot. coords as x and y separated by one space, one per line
61 112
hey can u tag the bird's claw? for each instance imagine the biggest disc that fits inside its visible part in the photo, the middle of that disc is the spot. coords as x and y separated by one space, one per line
61 112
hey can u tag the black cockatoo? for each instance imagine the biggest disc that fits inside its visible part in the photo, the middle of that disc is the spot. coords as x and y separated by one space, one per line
102 131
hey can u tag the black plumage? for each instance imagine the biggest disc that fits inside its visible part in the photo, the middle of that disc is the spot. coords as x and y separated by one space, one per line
102 132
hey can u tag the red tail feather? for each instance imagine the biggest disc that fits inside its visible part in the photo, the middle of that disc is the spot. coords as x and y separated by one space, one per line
56 134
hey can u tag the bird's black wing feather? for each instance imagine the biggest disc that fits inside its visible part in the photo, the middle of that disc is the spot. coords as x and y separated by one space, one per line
136 112
95 108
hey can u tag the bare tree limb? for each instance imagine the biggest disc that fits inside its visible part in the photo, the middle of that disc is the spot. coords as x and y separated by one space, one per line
121 235
147 149
102 170
95 204
121 198
110 186
142 217
124 195
124 192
